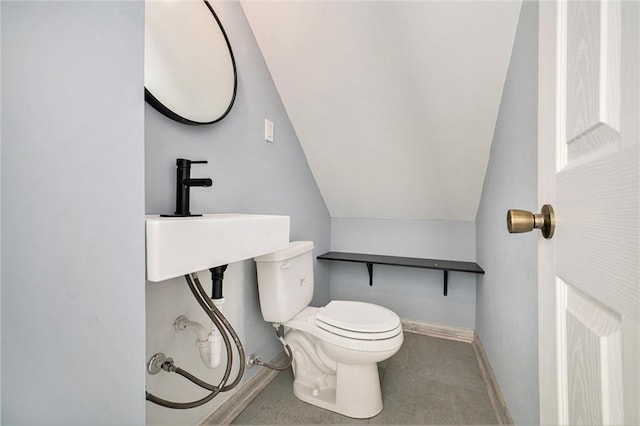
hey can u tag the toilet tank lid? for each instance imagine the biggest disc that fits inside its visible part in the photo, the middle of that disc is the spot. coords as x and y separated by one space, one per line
295 248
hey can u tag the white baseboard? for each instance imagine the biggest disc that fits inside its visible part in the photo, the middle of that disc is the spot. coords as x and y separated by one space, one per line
495 394
437 330
247 392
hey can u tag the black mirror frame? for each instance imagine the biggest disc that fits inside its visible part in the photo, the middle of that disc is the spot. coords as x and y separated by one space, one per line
164 110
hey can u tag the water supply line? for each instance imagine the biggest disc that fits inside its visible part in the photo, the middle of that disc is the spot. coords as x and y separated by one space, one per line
256 360
160 362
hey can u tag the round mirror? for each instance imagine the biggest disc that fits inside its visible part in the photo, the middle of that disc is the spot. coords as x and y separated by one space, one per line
189 69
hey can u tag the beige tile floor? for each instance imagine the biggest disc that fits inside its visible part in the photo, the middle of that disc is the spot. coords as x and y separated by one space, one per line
429 381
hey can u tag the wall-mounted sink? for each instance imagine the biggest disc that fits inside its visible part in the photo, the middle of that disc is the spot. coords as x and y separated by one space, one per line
180 245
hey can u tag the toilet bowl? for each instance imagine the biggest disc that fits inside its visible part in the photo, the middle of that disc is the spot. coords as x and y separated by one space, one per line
337 370
335 348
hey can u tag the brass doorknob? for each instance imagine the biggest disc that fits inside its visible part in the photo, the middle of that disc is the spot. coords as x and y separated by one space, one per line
525 221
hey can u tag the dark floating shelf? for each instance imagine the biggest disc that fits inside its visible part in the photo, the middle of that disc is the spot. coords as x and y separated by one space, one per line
412 262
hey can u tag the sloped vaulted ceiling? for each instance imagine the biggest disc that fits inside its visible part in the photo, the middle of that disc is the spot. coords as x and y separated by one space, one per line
394 103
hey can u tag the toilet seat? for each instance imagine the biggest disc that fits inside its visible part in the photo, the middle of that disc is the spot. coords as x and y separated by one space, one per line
358 335
307 322
358 320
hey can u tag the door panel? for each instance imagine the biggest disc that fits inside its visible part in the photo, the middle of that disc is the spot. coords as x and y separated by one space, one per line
594 354
597 245
593 76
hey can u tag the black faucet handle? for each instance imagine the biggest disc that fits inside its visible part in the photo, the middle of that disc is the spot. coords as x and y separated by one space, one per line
183 162
197 182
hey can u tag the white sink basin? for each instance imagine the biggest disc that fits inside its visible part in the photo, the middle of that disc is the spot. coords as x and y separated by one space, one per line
180 245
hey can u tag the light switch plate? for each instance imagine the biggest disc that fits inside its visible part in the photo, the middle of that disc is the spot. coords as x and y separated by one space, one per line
268 130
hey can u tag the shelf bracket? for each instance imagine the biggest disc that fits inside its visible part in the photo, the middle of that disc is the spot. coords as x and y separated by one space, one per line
446 281
370 269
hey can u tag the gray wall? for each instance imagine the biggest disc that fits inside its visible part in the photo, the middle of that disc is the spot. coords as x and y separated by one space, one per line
72 199
415 294
507 296
250 176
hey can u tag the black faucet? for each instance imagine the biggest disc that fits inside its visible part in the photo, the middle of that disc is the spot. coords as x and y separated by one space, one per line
183 184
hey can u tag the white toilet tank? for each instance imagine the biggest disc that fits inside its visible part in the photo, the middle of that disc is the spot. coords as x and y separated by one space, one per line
285 281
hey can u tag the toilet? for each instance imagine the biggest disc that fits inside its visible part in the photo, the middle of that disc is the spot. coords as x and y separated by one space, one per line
335 348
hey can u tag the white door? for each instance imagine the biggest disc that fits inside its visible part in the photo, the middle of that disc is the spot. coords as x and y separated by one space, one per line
589 303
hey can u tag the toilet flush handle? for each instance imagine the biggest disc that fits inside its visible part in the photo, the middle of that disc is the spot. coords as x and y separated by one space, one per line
285 265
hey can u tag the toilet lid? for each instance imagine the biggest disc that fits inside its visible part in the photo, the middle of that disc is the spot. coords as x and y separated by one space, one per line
359 317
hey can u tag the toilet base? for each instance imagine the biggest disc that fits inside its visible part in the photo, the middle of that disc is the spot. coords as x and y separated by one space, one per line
341 378
358 390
